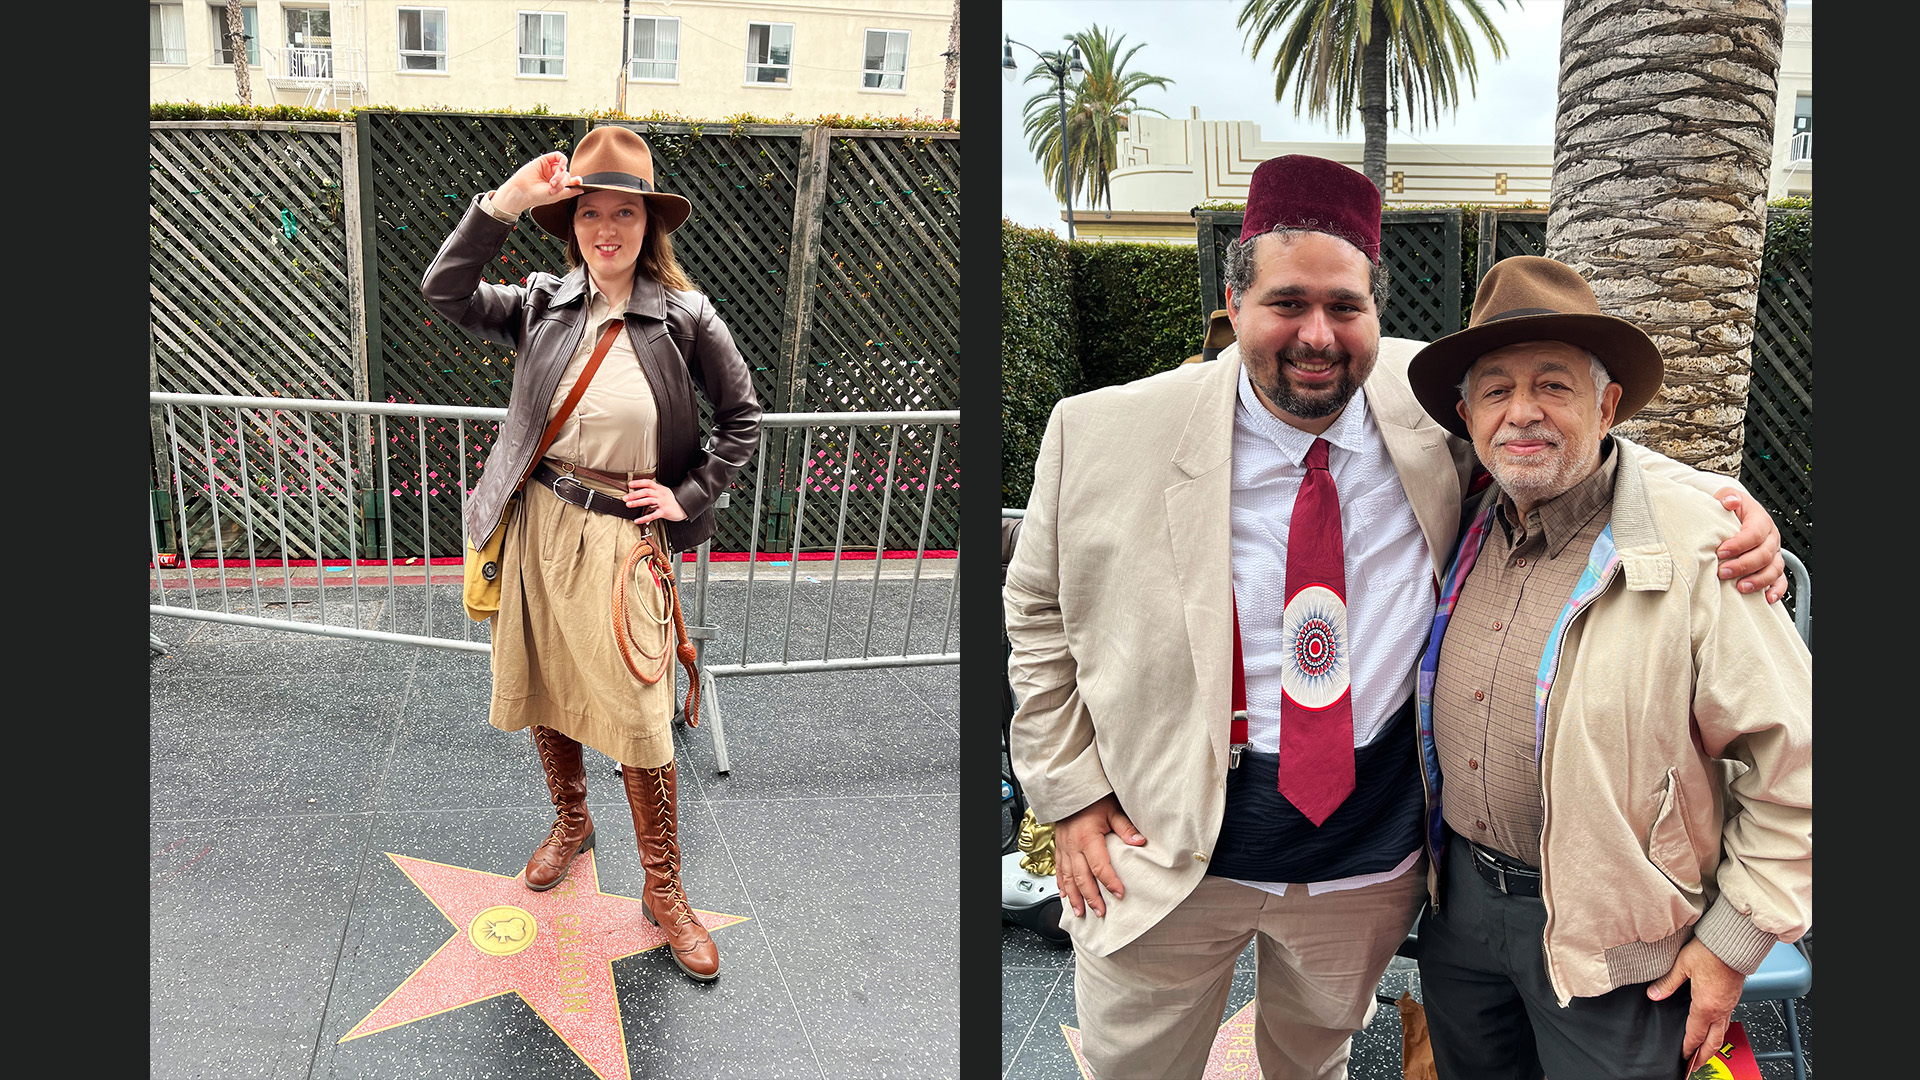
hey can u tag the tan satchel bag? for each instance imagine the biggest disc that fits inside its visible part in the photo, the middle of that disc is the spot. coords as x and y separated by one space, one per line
480 593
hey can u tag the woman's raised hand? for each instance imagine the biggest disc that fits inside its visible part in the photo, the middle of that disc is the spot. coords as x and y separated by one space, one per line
543 180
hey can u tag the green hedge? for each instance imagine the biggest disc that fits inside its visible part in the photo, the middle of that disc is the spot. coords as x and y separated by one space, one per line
1078 316
1139 305
1039 348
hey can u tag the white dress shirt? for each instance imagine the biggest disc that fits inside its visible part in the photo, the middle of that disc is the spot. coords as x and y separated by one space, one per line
1389 571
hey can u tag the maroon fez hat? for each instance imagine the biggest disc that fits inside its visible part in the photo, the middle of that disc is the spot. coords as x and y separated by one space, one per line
1296 191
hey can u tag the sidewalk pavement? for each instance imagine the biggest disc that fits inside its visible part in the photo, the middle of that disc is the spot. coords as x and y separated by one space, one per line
335 833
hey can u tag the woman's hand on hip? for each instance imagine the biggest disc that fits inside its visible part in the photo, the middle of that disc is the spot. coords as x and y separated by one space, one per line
658 498
543 180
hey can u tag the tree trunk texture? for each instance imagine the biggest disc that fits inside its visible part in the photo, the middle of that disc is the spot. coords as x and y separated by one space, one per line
953 64
1660 153
1373 99
237 44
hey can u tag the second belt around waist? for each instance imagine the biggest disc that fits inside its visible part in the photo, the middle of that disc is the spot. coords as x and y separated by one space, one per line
567 488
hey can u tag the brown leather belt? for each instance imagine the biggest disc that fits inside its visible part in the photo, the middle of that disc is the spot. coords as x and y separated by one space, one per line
567 488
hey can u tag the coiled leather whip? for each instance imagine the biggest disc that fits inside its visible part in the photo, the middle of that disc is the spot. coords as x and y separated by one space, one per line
661 571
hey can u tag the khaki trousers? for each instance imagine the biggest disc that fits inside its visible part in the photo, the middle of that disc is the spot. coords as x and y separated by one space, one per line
1151 1009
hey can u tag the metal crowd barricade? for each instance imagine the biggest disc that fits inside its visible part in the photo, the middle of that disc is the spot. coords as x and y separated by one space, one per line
288 428
326 442
811 425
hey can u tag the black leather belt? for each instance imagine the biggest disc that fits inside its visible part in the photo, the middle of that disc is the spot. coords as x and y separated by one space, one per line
1512 878
568 489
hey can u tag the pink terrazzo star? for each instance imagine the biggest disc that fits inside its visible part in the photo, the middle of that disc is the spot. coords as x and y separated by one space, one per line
555 949
1232 1056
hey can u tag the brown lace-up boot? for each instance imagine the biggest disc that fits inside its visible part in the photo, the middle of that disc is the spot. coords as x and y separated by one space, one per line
650 793
572 831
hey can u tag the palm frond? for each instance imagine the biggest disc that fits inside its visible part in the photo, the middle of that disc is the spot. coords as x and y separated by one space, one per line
1080 159
1319 47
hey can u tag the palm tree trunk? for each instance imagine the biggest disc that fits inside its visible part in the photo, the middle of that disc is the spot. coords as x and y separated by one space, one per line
237 43
1660 155
953 64
1373 98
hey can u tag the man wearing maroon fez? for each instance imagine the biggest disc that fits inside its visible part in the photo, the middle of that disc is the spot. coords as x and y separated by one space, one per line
1217 607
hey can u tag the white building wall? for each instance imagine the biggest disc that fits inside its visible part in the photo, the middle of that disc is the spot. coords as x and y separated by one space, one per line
1789 176
483 71
1176 164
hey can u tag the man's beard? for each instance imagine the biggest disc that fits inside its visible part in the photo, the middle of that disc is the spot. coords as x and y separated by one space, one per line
1316 403
1552 472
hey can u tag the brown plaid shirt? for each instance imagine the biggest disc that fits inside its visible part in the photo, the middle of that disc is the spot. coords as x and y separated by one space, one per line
1483 716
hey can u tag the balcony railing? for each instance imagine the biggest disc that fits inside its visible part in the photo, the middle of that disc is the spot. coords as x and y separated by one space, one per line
1802 150
309 63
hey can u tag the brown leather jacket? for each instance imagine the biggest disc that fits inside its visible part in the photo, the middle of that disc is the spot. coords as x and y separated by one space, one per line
679 339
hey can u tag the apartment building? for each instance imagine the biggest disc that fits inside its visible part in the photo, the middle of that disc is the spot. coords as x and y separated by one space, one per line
703 59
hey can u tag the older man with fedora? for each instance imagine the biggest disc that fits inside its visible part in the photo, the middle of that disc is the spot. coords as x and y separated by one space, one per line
1216 609
1618 743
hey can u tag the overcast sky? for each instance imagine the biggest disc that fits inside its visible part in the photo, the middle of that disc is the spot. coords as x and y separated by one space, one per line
1195 43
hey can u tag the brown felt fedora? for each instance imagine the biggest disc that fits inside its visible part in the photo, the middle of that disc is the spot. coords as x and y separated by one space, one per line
1529 298
613 159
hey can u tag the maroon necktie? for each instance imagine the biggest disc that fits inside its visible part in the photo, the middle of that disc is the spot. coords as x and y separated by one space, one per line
1316 707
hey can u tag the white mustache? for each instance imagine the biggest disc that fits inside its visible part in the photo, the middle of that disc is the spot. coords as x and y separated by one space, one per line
1535 433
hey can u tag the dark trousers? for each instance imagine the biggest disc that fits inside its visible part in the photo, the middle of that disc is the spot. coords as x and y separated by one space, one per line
1492 1013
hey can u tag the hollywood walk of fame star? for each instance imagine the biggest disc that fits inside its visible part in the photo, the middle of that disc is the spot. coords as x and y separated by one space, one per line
555 949
1231 1058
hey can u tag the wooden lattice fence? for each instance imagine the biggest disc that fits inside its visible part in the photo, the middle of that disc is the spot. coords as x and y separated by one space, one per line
1776 459
881 328
250 293
1505 233
866 223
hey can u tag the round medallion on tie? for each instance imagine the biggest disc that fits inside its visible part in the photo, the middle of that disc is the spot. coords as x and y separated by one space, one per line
1314 668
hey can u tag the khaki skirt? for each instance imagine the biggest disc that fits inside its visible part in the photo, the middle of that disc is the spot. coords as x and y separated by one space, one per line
555 661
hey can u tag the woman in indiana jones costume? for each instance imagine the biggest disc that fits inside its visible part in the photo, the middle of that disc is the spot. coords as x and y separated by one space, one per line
586 613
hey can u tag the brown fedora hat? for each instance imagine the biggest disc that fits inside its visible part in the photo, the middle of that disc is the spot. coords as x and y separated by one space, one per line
1529 298
613 159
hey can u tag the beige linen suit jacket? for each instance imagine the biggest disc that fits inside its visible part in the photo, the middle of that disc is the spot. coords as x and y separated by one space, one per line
1118 608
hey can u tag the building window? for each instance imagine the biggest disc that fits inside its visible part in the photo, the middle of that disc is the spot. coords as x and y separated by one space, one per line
423 39
654 48
166 34
886 67
543 43
770 53
309 43
1802 113
249 29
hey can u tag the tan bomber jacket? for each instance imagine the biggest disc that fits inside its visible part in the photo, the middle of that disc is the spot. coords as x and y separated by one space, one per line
1677 762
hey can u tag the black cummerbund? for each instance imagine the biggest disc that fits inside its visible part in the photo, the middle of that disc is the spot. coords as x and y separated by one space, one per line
1264 838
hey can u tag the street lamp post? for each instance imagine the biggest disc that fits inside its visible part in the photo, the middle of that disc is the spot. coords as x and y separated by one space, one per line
1061 69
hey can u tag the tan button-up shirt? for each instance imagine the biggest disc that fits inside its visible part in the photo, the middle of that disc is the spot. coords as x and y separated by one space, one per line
1483 700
